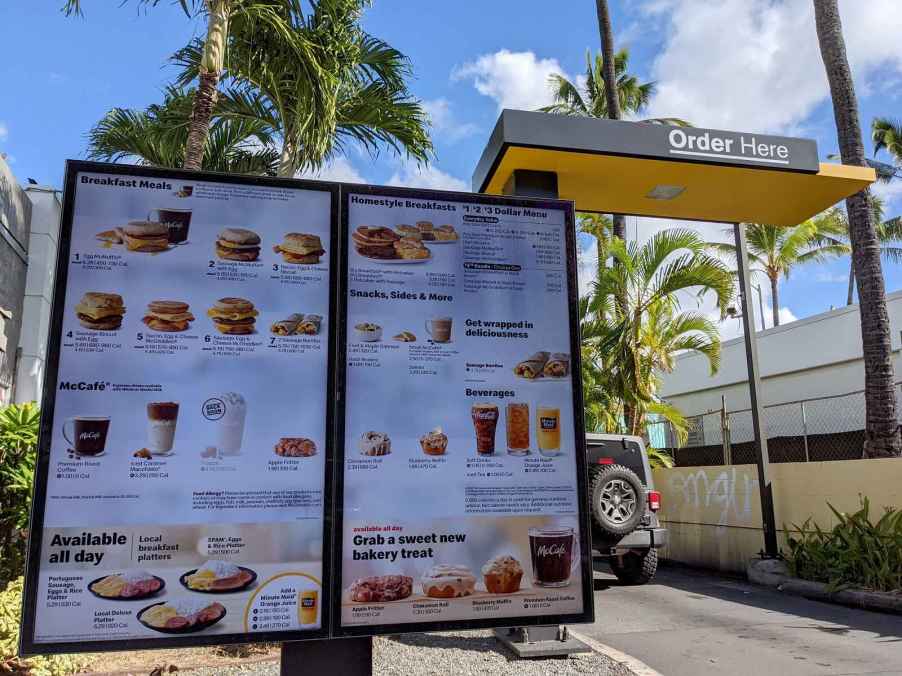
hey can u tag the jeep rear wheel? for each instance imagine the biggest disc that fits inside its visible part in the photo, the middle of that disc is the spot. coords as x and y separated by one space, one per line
618 500
635 567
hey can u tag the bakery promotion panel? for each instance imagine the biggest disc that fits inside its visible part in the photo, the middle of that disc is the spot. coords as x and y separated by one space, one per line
460 469
185 488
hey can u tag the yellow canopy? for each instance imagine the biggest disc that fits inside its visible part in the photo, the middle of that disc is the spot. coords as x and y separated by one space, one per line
686 189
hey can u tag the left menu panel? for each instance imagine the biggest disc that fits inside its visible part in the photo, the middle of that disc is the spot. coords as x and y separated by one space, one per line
183 479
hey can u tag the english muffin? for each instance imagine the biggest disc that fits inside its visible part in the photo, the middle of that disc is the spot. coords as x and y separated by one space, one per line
235 316
146 236
238 244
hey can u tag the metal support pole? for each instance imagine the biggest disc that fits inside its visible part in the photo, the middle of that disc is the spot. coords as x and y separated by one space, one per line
351 656
760 305
805 431
751 357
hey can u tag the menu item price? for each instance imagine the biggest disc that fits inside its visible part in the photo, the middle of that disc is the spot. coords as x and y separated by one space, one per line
238 244
100 311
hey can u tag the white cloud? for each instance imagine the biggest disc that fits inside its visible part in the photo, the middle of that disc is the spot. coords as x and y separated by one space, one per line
340 169
890 193
755 64
4 131
412 175
827 277
517 80
445 122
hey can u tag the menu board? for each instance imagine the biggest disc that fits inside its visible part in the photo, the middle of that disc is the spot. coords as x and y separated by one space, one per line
182 482
461 477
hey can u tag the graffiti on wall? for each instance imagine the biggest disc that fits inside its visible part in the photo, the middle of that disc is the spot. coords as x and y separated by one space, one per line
727 493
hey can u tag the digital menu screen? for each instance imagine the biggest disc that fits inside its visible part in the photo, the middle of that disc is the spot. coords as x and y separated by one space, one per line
182 480
461 484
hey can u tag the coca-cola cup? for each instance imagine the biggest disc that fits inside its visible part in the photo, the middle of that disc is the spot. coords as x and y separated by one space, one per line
555 554
485 420
88 433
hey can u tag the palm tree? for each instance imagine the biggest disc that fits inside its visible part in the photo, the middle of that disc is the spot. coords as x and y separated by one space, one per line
372 103
636 323
595 101
882 425
887 135
889 236
157 137
279 18
774 251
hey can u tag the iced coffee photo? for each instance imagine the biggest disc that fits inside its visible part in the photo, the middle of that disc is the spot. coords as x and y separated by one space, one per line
162 417
485 420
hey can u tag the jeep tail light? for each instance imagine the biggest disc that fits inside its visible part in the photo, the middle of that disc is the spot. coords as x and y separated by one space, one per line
654 500
605 461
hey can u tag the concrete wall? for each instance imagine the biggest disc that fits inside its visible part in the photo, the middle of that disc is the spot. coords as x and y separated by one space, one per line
42 249
714 513
814 357
15 212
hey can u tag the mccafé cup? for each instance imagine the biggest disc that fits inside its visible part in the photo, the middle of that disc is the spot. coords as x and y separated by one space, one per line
87 434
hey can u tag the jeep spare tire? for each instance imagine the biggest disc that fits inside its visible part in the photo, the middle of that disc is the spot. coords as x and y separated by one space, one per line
618 500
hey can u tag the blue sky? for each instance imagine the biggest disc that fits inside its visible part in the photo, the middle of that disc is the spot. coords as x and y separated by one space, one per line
748 65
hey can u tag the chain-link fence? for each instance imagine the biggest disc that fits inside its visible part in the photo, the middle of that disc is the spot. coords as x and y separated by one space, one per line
811 430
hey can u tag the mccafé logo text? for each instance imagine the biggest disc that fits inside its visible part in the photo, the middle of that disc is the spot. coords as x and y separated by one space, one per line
708 144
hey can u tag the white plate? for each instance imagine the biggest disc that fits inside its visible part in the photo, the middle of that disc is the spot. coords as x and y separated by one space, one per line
545 379
396 261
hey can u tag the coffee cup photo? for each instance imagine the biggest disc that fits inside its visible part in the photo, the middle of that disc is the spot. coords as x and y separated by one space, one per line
177 220
87 434
439 329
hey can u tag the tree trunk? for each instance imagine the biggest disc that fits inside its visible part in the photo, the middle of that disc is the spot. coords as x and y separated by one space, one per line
618 226
211 66
882 427
850 298
286 161
606 33
775 299
199 126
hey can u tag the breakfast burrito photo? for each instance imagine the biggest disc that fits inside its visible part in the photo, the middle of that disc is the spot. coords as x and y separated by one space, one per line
287 326
532 367
558 365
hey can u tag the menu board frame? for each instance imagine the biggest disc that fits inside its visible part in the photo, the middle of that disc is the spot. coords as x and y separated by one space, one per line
29 607
578 424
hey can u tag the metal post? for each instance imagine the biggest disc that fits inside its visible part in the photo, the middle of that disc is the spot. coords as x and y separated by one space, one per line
725 432
760 305
352 656
805 431
751 357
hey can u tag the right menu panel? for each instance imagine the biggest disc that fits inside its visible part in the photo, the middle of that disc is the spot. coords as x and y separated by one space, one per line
462 485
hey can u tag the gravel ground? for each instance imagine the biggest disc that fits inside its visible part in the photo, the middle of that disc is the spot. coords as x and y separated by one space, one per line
459 653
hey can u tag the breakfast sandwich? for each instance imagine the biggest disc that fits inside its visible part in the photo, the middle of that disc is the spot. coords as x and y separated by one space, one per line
426 230
146 236
233 316
299 247
238 244
445 233
100 311
412 249
408 231
168 315
375 242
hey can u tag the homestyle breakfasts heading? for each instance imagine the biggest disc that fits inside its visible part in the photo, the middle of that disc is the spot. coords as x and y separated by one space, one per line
185 493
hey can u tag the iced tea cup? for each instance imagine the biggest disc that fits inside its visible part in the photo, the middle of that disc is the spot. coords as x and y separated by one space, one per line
517 415
548 430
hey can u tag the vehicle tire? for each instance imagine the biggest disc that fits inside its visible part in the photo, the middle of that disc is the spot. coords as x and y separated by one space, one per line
618 500
635 567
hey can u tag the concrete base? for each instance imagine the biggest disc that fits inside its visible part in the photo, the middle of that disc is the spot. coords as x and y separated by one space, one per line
544 641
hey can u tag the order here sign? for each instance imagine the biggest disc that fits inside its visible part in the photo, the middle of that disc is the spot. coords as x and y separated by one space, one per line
219 344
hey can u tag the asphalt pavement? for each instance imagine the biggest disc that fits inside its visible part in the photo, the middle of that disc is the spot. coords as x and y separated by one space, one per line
693 623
